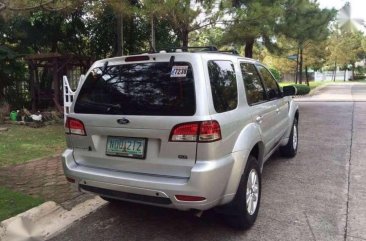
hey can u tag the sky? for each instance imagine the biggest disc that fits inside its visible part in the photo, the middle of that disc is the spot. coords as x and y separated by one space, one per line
358 7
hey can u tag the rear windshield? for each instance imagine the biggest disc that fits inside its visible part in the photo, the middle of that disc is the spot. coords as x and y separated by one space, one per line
139 89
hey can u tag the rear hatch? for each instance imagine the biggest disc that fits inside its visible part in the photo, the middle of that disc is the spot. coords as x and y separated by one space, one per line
128 110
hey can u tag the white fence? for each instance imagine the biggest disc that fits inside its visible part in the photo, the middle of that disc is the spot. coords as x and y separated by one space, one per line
329 75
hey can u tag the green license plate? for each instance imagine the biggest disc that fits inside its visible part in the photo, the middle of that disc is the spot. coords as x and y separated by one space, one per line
126 147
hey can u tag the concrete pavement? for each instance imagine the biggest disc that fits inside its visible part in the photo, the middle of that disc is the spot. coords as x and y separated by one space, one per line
318 195
338 92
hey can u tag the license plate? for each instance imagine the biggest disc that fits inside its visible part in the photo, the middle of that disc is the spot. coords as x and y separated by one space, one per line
126 147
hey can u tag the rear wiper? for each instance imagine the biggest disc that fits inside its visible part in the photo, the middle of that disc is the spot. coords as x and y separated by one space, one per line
104 69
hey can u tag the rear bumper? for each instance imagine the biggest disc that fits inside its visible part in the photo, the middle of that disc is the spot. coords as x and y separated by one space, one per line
208 179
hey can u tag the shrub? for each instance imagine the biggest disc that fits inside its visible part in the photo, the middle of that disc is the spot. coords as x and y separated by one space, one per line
359 77
302 89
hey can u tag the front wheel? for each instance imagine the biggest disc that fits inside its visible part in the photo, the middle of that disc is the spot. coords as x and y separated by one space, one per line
243 210
290 150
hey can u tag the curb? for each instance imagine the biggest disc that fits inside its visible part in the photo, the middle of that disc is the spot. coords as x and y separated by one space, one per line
45 221
317 89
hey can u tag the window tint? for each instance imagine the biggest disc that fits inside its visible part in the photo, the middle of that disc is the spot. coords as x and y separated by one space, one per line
223 85
253 86
139 89
270 83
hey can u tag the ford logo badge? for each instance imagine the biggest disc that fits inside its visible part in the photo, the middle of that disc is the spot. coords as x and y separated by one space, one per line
123 121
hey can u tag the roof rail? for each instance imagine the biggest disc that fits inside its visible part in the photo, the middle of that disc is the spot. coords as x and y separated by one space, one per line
232 51
203 48
209 48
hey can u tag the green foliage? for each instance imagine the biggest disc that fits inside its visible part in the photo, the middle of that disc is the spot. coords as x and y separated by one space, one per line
270 30
251 20
275 73
12 72
344 48
304 20
13 203
207 37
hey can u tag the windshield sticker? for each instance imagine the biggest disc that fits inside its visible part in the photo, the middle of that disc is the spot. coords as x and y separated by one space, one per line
179 71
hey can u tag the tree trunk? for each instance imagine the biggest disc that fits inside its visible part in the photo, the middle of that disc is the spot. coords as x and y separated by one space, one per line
32 87
335 71
297 65
184 36
344 75
353 71
153 45
56 83
249 43
120 38
300 67
306 75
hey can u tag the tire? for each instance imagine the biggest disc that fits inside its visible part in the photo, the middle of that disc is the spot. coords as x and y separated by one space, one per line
239 214
290 150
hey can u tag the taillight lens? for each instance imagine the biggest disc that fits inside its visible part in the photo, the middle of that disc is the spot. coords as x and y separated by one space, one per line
209 131
185 132
75 127
203 131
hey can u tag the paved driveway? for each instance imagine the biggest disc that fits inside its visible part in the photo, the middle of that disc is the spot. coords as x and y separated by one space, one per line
318 195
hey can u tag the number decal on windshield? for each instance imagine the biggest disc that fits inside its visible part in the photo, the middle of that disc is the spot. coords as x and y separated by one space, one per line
179 71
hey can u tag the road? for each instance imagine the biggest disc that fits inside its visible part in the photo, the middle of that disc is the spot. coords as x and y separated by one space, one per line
318 195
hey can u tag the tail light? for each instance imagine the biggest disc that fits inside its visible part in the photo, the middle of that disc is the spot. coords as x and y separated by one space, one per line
75 127
202 131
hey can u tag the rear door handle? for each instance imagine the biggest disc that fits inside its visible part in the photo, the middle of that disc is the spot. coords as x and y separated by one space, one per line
259 119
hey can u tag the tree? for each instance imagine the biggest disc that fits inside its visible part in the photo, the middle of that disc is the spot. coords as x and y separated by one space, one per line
207 36
12 69
26 5
188 16
345 47
251 20
304 21
314 56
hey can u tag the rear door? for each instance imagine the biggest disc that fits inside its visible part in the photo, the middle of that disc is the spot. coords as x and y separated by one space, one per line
280 118
129 110
263 111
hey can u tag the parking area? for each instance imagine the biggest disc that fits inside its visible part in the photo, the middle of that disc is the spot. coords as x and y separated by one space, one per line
318 195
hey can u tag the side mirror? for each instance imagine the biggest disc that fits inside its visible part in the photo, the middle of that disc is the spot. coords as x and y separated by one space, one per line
289 90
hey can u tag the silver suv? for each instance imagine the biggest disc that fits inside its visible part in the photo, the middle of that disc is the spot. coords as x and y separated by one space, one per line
184 130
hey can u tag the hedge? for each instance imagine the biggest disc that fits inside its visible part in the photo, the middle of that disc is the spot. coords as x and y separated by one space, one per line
302 89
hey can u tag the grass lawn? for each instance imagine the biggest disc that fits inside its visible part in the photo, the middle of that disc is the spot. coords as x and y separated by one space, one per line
22 143
312 84
13 203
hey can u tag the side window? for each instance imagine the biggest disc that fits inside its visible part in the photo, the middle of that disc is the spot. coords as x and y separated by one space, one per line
253 86
270 84
223 85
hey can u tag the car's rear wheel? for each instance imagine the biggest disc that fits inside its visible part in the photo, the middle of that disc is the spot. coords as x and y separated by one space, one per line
290 150
243 210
